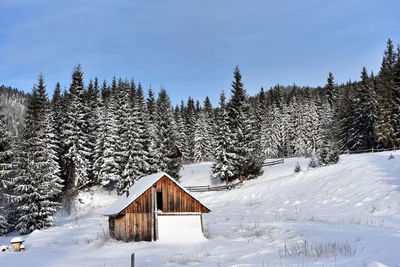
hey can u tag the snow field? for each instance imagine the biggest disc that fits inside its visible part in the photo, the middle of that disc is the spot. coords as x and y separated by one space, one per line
342 215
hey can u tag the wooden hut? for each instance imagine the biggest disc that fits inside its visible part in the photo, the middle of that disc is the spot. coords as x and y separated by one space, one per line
152 199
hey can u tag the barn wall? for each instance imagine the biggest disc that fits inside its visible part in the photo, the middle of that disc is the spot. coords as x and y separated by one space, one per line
138 226
138 218
177 200
119 228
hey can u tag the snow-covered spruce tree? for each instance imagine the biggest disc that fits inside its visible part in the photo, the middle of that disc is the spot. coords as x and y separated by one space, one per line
151 116
181 138
396 94
297 132
130 172
329 153
144 136
332 95
345 117
37 184
6 169
124 123
253 168
190 128
269 139
280 123
311 125
242 137
210 125
139 162
106 166
324 122
99 147
202 139
386 125
92 124
165 149
223 167
329 150
75 136
58 117
361 132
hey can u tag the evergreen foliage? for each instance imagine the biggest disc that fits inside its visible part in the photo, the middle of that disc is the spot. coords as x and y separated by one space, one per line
37 184
76 139
243 141
387 124
166 148
364 115
6 170
223 167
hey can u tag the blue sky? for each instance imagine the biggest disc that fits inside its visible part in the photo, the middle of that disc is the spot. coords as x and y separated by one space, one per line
190 47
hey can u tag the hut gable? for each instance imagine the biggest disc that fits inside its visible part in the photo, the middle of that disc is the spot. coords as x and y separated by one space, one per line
139 188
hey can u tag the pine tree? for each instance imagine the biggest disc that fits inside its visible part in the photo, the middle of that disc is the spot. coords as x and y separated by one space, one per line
58 119
329 150
166 150
37 184
386 125
224 167
151 115
329 153
124 123
143 129
107 167
396 94
269 138
190 123
181 138
202 143
75 138
139 161
346 117
331 92
6 169
100 113
362 134
92 124
242 138
210 126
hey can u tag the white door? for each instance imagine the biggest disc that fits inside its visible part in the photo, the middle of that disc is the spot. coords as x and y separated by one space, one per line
180 228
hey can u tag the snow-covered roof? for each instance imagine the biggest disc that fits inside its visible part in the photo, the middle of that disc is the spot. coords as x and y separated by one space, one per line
16 240
138 188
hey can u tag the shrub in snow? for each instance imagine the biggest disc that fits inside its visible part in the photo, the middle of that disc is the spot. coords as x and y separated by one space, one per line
317 250
329 153
313 163
391 156
297 168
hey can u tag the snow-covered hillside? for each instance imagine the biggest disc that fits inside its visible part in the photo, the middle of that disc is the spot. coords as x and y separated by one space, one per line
342 215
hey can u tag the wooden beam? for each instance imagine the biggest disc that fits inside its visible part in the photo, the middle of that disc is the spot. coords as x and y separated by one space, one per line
201 220
153 196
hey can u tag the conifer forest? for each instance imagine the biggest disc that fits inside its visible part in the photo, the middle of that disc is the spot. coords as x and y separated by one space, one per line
112 133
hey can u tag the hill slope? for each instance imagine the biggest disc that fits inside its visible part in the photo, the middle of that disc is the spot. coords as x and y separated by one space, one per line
342 215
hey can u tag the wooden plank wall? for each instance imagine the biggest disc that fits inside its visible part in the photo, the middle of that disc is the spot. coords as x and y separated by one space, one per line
177 200
136 222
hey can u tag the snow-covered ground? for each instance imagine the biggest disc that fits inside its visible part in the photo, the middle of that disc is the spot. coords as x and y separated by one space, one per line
342 215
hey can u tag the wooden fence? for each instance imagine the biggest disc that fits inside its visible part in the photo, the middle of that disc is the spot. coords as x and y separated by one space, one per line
271 163
208 188
371 150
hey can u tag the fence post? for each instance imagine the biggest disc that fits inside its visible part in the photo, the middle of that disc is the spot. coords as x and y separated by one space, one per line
133 260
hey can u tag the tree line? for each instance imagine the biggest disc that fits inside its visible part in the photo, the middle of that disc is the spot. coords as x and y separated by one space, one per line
112 134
